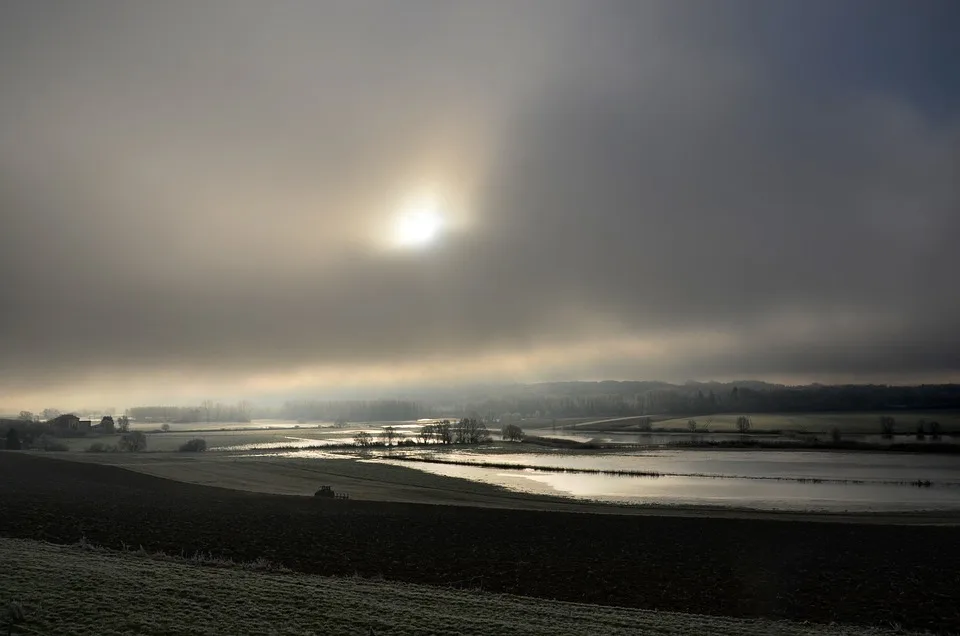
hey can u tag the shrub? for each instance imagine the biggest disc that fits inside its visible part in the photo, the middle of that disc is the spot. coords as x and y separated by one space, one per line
835 434
134 442
195 445
100 447
47 443
13 440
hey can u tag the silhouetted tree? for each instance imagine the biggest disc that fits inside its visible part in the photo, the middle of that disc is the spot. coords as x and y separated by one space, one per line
511 433
123 424
107 425
134 442
692 425
935 430
425 434
49 414
443 432
27 416
835 434
362 439
195 445
13 440
921 434
886 426
743 424
388 435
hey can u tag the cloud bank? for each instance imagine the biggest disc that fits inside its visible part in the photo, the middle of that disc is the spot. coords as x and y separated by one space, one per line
197 199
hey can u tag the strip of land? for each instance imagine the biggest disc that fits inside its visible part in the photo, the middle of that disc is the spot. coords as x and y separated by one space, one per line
76 590
372 481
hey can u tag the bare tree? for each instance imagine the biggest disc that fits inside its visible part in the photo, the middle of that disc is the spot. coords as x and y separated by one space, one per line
886 426
511 433
123 423
207 407
244 411
935 430
743 424
388 435
443 432
425 434
363 439
692 425
470 430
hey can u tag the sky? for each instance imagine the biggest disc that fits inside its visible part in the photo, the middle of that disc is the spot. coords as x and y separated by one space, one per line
235 198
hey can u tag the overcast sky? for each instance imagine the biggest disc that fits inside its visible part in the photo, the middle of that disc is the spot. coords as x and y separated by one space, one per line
200 199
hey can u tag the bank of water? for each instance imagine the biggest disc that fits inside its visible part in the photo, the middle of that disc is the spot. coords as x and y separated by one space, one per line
770 480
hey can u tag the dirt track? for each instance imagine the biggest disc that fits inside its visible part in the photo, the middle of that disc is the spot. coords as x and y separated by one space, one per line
855 573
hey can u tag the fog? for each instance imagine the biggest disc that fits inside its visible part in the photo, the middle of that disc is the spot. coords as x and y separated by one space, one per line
198 199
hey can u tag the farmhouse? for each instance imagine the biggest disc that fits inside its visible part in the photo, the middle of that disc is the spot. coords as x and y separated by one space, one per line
70 422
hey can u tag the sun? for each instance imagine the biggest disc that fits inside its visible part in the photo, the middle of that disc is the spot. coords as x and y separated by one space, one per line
418 224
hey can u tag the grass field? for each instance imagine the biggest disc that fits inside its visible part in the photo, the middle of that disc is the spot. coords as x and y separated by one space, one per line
304 475
77 590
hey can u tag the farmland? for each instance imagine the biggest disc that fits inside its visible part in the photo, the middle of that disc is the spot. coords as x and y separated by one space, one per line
79 590
866 574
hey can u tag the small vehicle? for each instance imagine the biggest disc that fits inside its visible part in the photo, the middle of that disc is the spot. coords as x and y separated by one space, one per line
328 493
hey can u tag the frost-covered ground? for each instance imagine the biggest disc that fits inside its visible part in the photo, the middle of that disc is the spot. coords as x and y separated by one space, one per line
78 590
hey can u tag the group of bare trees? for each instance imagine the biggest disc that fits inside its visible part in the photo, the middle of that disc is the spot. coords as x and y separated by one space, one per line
465 431
468 430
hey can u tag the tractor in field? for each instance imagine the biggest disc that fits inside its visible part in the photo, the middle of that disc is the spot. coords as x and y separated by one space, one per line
327 492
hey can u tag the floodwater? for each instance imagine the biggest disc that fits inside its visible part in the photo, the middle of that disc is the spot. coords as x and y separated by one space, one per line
769 480
666 439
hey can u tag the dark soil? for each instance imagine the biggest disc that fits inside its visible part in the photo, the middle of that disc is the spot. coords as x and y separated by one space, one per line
851 573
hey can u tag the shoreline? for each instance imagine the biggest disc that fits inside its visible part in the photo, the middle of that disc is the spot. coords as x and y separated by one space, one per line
374 482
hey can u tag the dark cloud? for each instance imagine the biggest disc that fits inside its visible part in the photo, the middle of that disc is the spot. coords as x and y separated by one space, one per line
203 193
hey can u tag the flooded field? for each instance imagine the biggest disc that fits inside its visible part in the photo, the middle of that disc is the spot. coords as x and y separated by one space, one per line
772 480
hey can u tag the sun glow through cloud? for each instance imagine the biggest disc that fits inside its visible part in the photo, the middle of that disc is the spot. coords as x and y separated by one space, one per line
418 224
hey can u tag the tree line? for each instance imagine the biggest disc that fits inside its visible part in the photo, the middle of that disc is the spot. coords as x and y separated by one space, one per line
467 430
207 411
351 410
705 399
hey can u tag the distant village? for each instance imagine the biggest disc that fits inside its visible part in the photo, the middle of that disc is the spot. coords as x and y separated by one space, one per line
69 425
